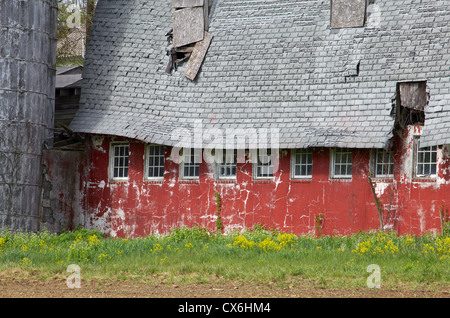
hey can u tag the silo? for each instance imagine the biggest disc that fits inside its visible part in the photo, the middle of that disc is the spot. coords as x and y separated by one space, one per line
27 90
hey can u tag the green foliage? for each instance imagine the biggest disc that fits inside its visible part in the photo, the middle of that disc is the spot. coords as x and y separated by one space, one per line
446 229
319 219
69 236
219 224
73 28
258 254
185 234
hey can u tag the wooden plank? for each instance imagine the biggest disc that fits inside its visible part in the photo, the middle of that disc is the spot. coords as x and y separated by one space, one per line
185 49
197 57
413 95
348 13
188 26
186 3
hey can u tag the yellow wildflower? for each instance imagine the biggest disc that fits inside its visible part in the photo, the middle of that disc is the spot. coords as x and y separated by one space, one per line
157 248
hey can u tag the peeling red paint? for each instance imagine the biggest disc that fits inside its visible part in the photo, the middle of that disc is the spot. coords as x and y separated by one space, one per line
136 207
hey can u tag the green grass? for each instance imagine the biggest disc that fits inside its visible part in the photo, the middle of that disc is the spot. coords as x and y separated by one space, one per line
256 255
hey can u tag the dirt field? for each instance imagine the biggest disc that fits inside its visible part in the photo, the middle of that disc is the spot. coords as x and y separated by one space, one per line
57 288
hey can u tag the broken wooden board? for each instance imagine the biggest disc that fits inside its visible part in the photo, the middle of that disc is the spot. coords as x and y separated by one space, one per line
186 3
413 95
348 13
188 26
197 57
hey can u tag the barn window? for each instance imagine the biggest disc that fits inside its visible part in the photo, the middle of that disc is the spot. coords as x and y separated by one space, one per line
263 167
341 163
384 163
348 13
190 167
226 167
119 161
425 160
301 163
155 161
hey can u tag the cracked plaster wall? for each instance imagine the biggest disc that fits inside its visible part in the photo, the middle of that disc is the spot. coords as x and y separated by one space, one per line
137 208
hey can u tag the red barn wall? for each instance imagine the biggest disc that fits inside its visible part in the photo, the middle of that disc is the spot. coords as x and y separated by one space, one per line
137 208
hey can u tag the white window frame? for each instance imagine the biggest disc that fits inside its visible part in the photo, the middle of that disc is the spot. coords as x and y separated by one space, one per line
154 156
389 164
112 160
424 150
225 163
257 164
333 163
303 163
194 153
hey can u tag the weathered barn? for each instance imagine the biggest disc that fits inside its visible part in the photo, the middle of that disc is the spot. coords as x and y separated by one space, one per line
350 98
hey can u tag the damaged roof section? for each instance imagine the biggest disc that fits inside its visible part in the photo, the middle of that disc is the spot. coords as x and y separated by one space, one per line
412 98
189 35
188 22
271 64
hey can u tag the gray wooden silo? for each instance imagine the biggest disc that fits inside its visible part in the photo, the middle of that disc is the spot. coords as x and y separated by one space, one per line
27 90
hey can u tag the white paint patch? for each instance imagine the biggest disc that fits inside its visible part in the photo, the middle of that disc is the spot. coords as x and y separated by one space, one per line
97 142
101 223
101 184
380 188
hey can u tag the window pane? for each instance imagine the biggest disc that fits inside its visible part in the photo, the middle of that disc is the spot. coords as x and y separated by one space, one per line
302 163
384 164
433 169
303 170
264 166
155 161
342 163
420 157
227 164
426 162
197 171
120 161
420 169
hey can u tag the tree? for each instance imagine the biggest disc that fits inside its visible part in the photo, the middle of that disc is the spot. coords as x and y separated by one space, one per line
74 23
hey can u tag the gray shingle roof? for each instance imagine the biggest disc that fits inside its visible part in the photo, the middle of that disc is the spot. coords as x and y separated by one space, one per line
271 64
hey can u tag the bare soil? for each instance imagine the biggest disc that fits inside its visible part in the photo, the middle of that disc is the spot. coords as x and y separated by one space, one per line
11 287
